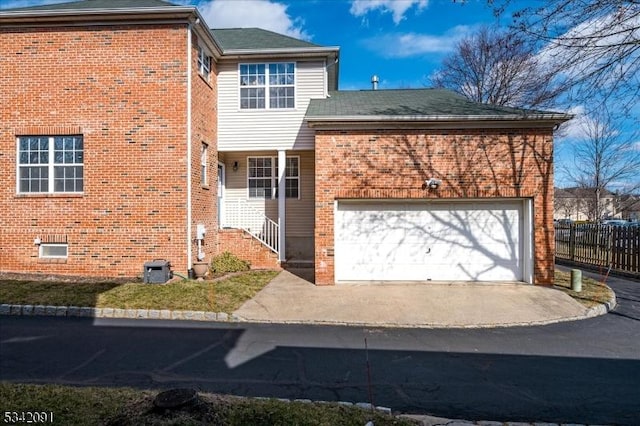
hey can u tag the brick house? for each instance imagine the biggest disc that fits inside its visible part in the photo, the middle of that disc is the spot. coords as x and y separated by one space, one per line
115 114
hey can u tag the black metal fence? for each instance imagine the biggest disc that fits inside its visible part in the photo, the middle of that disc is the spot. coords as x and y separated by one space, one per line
615 247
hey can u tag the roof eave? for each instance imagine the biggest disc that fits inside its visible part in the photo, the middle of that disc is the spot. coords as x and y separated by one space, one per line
302 52
411 121
33 16
107 16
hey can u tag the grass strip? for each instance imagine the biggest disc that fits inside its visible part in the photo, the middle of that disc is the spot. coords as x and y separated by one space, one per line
225 295
123 407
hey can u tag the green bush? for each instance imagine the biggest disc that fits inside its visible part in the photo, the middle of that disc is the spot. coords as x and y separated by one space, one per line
227 262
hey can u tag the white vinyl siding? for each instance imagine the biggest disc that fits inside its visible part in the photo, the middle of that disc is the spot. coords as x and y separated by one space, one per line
300 211
267 129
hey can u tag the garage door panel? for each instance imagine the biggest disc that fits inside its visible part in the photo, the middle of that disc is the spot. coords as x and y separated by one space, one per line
437 241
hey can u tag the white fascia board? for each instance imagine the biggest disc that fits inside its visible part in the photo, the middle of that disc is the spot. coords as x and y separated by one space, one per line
299 52
113 13
448 122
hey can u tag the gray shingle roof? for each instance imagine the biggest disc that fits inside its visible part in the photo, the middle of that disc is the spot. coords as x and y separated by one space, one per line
97 4
406 103
256 38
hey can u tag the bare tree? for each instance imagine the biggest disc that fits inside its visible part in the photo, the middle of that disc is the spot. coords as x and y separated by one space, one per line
564 205
603 158
498 67
594 44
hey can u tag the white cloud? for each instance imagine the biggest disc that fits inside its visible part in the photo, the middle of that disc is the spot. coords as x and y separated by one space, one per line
404 45
586 47
265 14
397 8
576 127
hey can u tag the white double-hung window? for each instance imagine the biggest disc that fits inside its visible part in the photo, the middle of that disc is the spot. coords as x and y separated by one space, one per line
268 86
50 164
204 63
262 177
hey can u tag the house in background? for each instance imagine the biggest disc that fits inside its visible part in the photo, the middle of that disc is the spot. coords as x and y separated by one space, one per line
629 206
579 204
135 132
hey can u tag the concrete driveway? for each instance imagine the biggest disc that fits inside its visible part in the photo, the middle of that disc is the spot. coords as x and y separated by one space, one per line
291 299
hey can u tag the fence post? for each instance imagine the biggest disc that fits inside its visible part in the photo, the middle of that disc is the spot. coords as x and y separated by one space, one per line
572 241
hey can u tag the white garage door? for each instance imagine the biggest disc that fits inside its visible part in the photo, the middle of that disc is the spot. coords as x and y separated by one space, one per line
418 241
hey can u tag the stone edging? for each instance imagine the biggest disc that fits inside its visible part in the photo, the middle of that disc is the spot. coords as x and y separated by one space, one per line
91 312
603 308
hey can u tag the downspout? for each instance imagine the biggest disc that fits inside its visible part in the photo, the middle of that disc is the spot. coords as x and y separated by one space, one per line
189 254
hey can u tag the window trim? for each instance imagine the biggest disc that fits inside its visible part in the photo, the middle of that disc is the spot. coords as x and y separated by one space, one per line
50 165
266 86
204 165
43 245
204 62
274 178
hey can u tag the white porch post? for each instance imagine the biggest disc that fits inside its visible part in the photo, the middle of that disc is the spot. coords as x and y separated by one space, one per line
282 163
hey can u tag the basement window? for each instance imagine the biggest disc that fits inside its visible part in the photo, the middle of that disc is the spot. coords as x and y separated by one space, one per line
54 251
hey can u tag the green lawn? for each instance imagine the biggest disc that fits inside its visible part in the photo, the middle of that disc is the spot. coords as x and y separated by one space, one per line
113 406
225 295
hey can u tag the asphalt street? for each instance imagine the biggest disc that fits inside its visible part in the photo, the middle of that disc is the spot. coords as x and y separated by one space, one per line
575 372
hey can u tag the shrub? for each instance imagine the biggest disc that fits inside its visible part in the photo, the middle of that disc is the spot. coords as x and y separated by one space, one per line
227 262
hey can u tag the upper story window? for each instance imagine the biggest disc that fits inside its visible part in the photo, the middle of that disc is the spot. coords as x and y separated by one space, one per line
204 62
50 164
267 86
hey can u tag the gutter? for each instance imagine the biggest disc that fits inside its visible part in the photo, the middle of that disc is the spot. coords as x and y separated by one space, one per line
439 118
42 13
435 122
298 51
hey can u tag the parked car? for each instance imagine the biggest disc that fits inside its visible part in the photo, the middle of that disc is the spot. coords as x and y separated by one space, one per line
615 222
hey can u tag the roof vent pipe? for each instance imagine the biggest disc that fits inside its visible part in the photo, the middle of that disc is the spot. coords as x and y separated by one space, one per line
374 82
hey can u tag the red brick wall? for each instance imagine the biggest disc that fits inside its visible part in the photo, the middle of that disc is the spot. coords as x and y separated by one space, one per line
472 164
204 130
245 247
124 89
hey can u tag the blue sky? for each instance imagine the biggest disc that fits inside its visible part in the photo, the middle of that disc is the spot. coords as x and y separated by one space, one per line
402 41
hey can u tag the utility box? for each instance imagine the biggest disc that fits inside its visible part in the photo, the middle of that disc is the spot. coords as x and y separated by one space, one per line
157 271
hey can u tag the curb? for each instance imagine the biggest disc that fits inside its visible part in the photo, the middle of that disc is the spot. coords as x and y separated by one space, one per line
165 314
90 312
602 308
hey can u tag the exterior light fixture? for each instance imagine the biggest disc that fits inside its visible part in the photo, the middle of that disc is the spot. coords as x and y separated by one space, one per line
235 166
432 183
